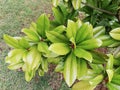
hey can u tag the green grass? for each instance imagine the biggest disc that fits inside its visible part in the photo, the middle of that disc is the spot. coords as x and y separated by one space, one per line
15 15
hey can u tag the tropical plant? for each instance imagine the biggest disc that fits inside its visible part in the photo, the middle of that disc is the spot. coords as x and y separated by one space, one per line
73 45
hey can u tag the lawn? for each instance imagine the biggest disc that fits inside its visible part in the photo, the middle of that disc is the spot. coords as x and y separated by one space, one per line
15 15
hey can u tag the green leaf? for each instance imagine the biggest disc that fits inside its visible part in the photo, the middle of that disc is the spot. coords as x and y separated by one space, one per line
60 29
15 56
109 67
115 33
29 75
116 79
60 48
95 81
81 53
55 2
31 34
108 41
54 60
76 4
33 59
43 25
15 65
99 30
71 29
110 62
83 85
41 72
58 15
98 57
23 43
70 69
59 67
97 68
110 74
90 44
55 37
66 0
11 41
112 86
84 32
81 68
43 47
44 65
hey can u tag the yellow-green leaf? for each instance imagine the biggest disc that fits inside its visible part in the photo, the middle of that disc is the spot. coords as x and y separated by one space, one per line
90 44
43 47
15 66
71 29
70 69
81 68
11 41
81 53
31 34
115 33
15 56
58 15
33 58
95 81
55 2
56 37
43 25
83 85
60 29
110 74
76 4
60 48
84 32
44 65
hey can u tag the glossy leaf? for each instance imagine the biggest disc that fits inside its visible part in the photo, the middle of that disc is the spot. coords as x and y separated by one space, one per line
112 86
81 68
43 47
70 69
59 67
44 65
15 65
76 4
90 44
110 74
29 75
11 41
81 53
98 57
33 58
97 31
83 85
24 43
71 29
95 81
43 25
31 34
60 29
56 37
110 62
58 15
108 41
41 72
55 2
15 56
59 48
84 32
116 79
115 33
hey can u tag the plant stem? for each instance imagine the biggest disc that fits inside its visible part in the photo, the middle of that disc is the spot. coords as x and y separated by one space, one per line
99 9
